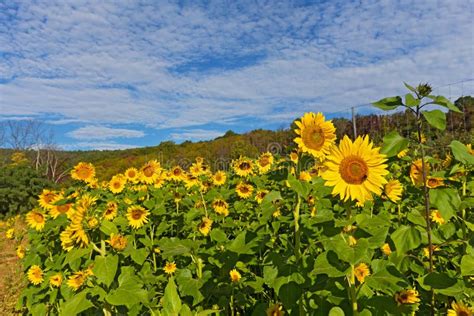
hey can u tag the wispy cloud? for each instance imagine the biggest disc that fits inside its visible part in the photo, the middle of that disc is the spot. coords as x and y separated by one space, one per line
195 134
95 146
164 65
101 132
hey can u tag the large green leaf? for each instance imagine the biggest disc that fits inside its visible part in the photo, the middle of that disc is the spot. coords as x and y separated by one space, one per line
77 304
467 265
393 143
460 153
105 269
171 300
130 289
410 100
388 280
139 255
406 238
443 101
108 228
446 200
435 118
389 103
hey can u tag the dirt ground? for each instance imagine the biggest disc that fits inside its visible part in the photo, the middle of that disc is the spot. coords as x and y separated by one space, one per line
11 276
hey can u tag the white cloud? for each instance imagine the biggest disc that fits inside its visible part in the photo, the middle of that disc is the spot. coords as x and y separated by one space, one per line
115 63
195 134
96 146
101 132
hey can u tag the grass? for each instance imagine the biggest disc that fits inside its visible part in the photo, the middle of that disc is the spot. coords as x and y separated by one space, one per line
12 279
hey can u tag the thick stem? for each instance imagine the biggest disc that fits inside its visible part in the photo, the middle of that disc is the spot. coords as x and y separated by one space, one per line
353 293
296 214
427 204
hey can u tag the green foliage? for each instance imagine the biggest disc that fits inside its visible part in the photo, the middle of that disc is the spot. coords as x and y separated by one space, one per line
20 186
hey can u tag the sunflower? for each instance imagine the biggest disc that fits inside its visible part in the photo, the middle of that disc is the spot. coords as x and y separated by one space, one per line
219 178
56 280
244 190
35 275
57 210
416 171
111 211
47 199
305 176
36 220
260 195
205 226
83 171
294 156
132 175
276 213
470 149
447 161
197 169
426 250
265 162
386 249
243 167
117 183
407 297
402 153
76 280
355 170
459 309
20 252
170 268
393 190
137 216
234 275
191 181
316 135
92 222
10 234
275 310
434 182
177 173
220 207
118 242
437 217
361 271
159 181
352 241
150 171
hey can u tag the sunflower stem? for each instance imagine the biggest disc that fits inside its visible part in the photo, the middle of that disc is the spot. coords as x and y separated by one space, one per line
296 214
353 293
426 197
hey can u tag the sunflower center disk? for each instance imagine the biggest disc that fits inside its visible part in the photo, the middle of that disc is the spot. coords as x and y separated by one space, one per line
38 218
315 138
136 215
148 171
353 170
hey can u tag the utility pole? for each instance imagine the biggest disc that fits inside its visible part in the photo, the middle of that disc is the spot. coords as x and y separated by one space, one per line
354 126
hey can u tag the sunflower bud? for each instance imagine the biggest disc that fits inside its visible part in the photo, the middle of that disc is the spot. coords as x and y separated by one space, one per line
423 89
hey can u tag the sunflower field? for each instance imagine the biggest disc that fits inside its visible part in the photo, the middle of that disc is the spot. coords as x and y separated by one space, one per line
337 227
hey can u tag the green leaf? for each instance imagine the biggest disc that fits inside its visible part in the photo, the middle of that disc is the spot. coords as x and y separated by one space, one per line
389 103
218 235
443 101
460 153
171 300
289 293
411 101
393 143
139 255
388 280
298 186
406 238
436 118
336 311
77 304
438 280
108 228
467 265
446 200
130 289
105 269
412 89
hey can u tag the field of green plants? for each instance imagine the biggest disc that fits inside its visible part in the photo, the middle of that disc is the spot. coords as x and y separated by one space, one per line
338 227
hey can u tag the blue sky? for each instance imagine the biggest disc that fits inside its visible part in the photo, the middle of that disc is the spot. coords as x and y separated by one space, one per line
120 74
